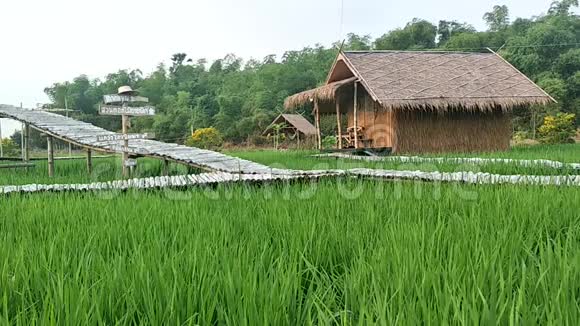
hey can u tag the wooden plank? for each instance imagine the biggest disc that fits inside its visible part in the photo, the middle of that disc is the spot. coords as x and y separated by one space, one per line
116 98
126 110
17 165
114 137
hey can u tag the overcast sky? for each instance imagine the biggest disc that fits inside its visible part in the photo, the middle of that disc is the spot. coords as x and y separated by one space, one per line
43 41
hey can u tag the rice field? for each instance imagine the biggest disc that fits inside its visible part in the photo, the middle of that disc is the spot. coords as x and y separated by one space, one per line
569 153
345 251
75 171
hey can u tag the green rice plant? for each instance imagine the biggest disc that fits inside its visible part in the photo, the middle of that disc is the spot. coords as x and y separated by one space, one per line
336 252
75 171
304 160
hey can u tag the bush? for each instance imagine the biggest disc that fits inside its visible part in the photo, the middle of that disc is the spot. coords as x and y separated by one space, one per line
208 138
328 142
10 148
558 129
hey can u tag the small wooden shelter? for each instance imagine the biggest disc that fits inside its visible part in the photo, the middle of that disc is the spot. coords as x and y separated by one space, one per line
411 101
294 125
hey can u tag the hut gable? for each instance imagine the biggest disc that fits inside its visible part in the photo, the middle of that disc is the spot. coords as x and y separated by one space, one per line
442 80
294 121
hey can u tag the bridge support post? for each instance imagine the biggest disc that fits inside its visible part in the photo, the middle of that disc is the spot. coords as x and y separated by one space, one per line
89 161
26 142
50 146
165 167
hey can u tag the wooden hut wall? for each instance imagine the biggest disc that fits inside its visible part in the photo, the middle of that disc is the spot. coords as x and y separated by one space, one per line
432 132
378 124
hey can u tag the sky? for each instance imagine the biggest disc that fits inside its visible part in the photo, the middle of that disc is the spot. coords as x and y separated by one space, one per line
43 42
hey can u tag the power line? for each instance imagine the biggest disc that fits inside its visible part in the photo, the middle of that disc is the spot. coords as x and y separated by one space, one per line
506 47
341 20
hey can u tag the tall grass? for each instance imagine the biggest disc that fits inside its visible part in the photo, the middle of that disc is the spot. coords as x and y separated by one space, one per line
398 253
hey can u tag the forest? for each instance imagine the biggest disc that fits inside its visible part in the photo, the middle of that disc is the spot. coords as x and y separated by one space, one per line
241 97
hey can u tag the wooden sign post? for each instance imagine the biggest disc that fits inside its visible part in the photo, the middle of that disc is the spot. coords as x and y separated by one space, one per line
119 104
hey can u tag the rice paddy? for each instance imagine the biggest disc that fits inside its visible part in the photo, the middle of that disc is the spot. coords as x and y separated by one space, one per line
345 251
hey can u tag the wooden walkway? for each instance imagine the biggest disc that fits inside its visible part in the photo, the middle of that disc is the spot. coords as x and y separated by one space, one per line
226 178
203 179
453 160
84 135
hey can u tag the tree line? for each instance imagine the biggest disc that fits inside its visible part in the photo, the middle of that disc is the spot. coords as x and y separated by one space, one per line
240 98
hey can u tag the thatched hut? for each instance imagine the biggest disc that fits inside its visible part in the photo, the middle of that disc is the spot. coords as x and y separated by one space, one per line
293 126
410 101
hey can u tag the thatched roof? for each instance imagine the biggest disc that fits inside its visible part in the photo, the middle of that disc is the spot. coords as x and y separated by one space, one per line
323 93
294 121
438 80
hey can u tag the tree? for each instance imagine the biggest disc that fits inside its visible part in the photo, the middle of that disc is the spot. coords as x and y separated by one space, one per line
357 43
240 100
498 18
417 34
568 63
465 41
562 7
447 29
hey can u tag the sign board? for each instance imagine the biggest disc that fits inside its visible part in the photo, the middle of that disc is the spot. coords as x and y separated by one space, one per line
132 149
126 110
114 137
130 162
115 98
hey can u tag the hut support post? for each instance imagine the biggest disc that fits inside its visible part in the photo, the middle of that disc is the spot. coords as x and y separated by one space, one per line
338 124
50 147
355 104
298 137
26 142
89 161
317 118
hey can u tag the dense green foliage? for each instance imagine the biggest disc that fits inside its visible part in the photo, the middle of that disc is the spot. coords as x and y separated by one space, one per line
10 148
241 98
347 252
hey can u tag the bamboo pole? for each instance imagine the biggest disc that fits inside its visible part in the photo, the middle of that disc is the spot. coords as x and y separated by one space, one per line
355 115
338 123
317 118
50 147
